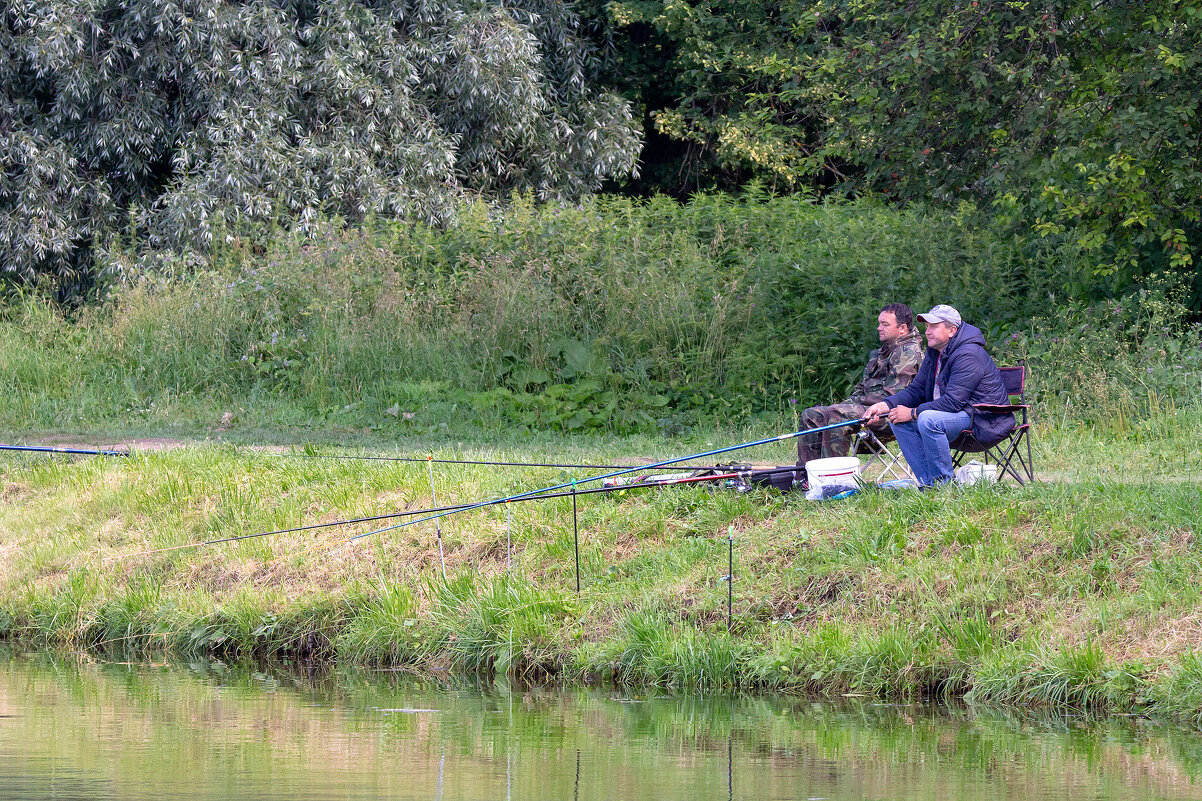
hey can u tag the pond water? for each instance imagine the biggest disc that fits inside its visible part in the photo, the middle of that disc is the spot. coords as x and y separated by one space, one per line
83 729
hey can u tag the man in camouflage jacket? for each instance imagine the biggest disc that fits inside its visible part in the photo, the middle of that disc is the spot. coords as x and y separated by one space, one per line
890 369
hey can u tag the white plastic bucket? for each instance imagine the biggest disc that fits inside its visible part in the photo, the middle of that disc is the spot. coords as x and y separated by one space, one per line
974 471
835 470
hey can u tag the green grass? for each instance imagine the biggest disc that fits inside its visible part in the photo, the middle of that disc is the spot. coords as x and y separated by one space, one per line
1079 593
591 334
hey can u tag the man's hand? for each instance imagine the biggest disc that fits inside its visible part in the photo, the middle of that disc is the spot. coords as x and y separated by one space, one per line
876 410
901 414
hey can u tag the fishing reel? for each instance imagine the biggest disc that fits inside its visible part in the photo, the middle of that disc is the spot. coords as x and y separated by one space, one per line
783 478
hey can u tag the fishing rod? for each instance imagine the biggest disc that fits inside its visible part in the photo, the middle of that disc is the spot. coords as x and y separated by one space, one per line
362 457
668 482
602 477
365 457
61 449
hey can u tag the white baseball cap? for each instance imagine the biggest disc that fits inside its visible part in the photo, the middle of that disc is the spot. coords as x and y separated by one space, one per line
942 314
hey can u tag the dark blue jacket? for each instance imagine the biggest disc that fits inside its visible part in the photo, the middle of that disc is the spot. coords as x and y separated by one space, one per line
967 376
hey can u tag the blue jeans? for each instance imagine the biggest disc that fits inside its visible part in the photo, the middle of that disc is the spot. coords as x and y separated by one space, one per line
924 443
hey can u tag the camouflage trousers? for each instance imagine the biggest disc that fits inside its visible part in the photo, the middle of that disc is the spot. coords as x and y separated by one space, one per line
835 442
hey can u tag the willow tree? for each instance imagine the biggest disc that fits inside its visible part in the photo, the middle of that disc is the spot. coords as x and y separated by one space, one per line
175 117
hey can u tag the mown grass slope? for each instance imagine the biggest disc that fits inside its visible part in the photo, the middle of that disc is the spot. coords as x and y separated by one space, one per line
541 332
1081 591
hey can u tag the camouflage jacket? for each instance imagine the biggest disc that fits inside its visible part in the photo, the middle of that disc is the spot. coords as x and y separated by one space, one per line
890 369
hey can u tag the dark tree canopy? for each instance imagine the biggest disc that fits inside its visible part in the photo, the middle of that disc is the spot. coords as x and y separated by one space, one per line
1071 118
173 120
1080 116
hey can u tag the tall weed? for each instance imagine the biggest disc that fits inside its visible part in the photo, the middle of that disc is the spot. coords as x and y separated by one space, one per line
1114 362
616 314
504 625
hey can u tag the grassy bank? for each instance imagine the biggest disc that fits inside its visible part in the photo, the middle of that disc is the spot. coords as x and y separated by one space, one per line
588 334
1080 593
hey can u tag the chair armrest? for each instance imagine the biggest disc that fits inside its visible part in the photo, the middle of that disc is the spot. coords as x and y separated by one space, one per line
1001 408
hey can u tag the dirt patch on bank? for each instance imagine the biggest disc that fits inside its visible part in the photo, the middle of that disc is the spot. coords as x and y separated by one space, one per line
13 492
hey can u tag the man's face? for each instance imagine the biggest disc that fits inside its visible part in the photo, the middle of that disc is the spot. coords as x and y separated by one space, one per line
938 334
887 328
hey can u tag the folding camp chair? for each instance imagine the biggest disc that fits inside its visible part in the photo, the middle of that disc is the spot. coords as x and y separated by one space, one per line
1007 452
874 443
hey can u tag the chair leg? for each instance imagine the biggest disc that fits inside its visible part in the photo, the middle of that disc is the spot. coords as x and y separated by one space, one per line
1008 467
862 445
1015 454
1008 456
891 463
894 468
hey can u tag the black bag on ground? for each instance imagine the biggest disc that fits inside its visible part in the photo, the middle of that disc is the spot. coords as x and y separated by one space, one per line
784 479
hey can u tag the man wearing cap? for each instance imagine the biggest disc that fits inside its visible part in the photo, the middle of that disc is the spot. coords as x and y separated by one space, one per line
956 374
890 368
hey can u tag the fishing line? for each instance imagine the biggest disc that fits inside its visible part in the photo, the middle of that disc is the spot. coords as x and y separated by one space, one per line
370 458
452 508
665 463
58 449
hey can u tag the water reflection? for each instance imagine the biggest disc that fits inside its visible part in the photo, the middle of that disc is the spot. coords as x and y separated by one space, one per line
207 731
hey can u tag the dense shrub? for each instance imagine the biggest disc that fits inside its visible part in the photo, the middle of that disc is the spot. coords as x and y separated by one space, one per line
614 314
1113 360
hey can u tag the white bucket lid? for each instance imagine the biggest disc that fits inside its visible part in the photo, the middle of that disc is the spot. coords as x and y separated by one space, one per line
833 463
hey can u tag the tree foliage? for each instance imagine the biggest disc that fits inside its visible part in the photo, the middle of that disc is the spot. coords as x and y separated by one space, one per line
1070 118
730 81
1082 116
178 117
